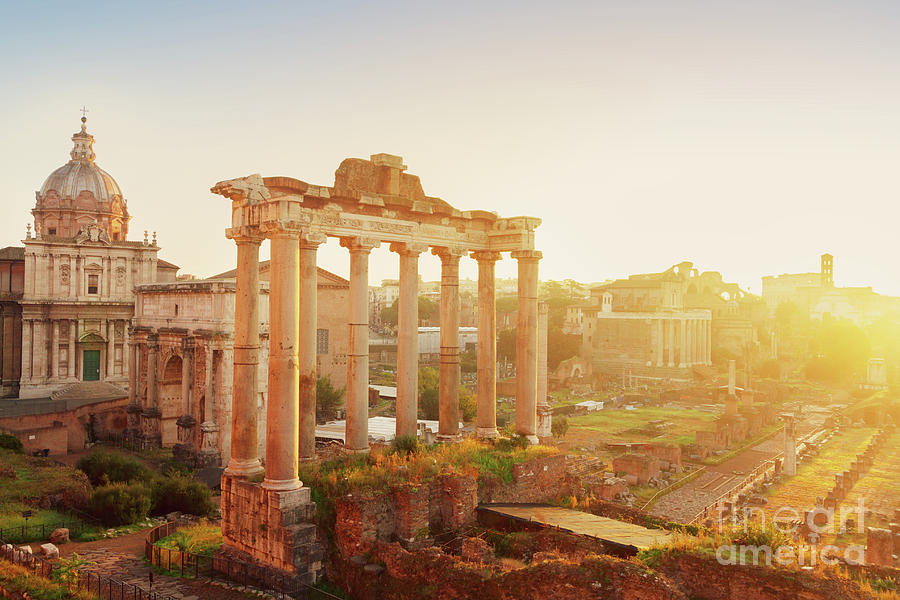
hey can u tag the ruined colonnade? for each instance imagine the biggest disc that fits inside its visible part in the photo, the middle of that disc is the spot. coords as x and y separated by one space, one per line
290 214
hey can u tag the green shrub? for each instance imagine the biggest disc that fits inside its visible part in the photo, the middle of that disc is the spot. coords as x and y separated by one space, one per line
516 442
405 444
181 493
559 426
104 467
120 503
11 442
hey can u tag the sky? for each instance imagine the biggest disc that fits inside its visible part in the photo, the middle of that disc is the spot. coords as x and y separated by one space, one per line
747 137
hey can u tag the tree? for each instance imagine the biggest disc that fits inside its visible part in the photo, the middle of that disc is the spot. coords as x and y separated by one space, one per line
559 426
389 314
841 350
506 345
468 407
328 399
428 393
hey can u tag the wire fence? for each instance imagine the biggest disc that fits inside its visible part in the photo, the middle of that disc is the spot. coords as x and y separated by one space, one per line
219 568
104 587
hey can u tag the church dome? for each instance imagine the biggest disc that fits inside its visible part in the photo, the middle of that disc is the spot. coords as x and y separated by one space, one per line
79 194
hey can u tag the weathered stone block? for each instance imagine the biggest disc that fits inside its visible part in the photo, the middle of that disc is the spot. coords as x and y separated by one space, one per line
879 547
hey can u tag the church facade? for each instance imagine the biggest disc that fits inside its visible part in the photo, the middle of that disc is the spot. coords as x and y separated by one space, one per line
80 271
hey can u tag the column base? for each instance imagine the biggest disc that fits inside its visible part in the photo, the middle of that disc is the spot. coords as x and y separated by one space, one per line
282 485
448 438
533 439
244 468
487 433
682 365
271 529
356 450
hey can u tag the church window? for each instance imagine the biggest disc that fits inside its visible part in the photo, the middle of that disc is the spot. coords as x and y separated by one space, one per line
321 341
93 283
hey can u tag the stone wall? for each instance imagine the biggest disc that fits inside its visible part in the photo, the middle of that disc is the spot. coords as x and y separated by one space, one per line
105 418
413 514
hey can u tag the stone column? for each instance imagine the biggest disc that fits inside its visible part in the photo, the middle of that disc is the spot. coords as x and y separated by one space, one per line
659 341
26 349
54 350
244 459
709 342
690 342
209 430
283 414
790 446
73 373
125 334
544 428
526 345
670 342
408 337
448 412
39 344
185 450
682 343
151 414
357 433
110 348
306 351
486 422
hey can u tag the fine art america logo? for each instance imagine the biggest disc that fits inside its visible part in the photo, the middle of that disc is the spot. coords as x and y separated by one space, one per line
809 529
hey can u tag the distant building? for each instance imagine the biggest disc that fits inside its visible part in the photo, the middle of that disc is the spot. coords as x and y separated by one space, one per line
816 296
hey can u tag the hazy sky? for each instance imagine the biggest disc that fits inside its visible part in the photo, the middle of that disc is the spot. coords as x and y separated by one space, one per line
747 137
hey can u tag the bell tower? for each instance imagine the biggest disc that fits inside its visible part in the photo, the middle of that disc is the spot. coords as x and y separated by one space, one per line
827 271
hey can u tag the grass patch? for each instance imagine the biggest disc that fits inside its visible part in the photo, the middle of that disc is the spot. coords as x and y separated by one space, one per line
16 579
620 425
203 539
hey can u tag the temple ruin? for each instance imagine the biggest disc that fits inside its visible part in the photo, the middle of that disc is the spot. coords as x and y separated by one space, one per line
371 202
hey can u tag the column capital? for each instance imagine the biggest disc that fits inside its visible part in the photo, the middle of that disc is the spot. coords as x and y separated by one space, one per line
153 341
448 254
360 244
188 343
245 235
408 247
486 255
311 240
527 255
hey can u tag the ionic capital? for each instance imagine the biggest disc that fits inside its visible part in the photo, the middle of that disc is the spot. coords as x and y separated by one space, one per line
448 254
486 255
360 244
245 235
527 255
312 240
408 248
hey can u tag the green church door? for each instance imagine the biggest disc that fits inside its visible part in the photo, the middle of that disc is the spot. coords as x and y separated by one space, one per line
91 363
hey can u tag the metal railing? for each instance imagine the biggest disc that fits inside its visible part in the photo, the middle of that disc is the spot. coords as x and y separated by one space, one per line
188 564
29 533
104 587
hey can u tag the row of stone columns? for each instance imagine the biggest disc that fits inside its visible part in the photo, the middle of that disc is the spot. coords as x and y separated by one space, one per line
691 338
290 427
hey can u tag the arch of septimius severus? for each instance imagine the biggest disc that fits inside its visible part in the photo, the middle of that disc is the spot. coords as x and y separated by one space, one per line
372 202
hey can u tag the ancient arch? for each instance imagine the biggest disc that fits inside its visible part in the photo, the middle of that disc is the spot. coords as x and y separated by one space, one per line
170 399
